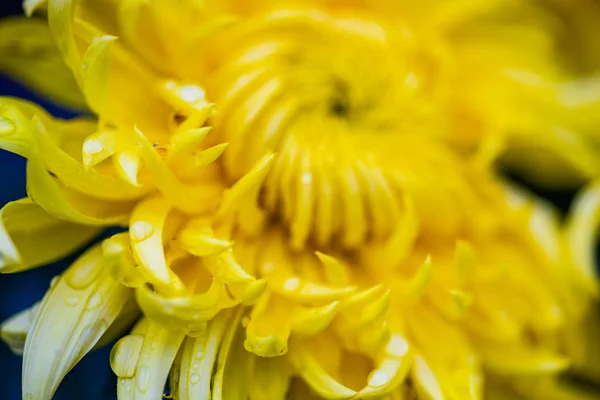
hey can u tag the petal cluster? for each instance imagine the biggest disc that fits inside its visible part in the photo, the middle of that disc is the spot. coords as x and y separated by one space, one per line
308 199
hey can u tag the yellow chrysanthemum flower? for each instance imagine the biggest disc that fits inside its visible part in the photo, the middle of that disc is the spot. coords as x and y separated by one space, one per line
309 202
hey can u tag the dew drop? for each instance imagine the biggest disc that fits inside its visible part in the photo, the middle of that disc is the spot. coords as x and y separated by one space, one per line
94 302
199 354
6 126
195 378
379 378
72 300
291 284
195 365
83 274
142 378
92 146
397 346
153 345
140 230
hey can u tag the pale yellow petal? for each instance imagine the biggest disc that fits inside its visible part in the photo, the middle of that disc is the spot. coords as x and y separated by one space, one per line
29 54
14 330
96 69
72 317
192 376
30 237
64 203
142 360
231 373
579 236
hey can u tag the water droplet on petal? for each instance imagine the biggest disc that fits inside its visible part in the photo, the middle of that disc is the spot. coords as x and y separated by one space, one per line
140 230
6 126
291 284
92 146
72 300
195 378
94 302
379 378
199 354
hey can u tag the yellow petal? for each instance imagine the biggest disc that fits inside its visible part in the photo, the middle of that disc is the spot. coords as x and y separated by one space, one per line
31 6
426 382
225 267
392 368
335 271
195 368
310 321
143 359
15 135
128 165
269 328
120 262
73 174
271 378
189 313
230 373
186 141
317 378
14 330
306 291
65 203
29 53
96 69
60 21
248 185
197 237
521 360
30 237
146 234
192 199
128 315
72 317
579 235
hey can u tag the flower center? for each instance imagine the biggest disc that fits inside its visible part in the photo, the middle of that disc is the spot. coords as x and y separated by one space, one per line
345 103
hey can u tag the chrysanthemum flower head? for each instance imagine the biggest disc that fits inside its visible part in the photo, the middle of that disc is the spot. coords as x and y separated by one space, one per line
308 205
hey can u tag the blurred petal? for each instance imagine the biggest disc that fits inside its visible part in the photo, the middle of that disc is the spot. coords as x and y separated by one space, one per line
30 237
28 53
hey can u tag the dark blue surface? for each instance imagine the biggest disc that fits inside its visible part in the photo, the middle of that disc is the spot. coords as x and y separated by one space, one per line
92 378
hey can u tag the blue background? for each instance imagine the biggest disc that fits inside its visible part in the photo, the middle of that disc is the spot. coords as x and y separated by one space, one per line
92 378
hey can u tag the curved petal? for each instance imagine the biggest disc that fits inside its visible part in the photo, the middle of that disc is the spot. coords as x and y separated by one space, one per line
307 366
142 360
231 370
192 375
579 235
28 53
30 237
73 316
67 204
96 69
14 330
